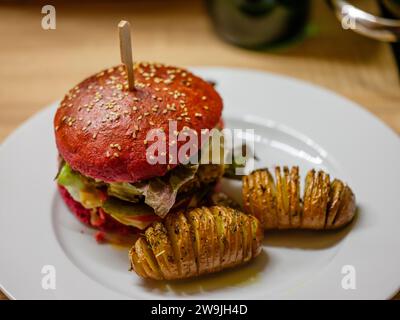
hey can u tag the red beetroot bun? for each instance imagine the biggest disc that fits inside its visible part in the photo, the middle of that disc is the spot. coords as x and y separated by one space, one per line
101 126
105 221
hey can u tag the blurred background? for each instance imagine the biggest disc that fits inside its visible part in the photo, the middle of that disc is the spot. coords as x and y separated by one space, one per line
300 38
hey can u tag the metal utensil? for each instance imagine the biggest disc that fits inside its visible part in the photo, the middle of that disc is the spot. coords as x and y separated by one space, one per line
364 23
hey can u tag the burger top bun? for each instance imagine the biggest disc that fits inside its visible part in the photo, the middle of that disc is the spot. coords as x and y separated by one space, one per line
101 126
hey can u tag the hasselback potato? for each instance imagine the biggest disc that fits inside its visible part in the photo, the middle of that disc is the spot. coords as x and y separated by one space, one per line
278 205
201 241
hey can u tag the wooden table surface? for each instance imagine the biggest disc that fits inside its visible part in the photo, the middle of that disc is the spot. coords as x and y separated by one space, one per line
37 66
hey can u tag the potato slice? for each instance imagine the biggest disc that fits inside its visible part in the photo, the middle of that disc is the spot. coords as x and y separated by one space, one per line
260 197
257 198
257 236
251 195
236 226
320 198
307 221
187 244
294 197
282 198
246 236
172 225
222 224
199 227
142 255
136 263
230 236
160 244
179 234
347 208
211 235
316 200
326 187
335 196
266 198
272 214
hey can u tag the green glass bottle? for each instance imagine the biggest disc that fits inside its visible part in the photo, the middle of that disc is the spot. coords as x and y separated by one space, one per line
258 23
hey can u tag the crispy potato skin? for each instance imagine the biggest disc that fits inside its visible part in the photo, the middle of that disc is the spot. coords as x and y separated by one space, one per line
278 205
259 198
201 241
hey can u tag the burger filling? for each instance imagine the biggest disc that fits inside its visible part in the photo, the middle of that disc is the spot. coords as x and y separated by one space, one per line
139 204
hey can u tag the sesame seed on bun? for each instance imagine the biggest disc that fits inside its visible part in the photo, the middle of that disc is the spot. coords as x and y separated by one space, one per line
101 126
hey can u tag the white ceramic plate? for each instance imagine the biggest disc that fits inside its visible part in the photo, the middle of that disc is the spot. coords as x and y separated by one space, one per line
295 123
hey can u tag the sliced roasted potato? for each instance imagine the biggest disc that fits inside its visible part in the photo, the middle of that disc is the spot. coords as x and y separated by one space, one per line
201 241
278 205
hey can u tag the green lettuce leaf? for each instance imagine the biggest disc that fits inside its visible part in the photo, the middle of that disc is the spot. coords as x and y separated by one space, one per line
69 178
79 188
125 191
160 193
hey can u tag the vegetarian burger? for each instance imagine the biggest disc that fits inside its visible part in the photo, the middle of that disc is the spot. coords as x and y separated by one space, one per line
101 132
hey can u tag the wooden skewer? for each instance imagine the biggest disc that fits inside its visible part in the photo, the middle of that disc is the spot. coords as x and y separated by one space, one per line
125 45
